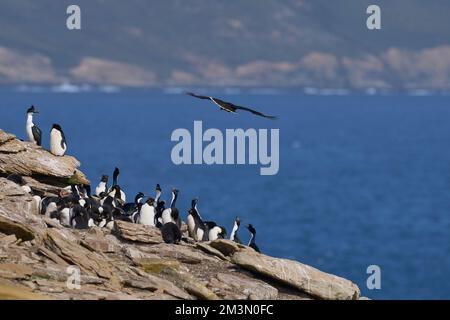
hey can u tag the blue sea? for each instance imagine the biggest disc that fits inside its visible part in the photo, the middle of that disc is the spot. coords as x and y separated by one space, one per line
363 180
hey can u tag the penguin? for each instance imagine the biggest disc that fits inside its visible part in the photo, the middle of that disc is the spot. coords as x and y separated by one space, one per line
80 217
131 207
147 213
196 226
116 174
94 207
58 144
49 205
159 206
102 186
18 179
233 236
252 243
33 131
171 214
214 232
171 233
64 215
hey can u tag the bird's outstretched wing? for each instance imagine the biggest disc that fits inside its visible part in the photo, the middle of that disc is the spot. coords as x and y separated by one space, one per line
198 96
37 134
254 112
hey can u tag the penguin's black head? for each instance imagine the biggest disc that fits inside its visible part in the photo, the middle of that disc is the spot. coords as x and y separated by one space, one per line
32 109
158 187
56 127
16 178
210 224
251 229
238 221
150 201
194 203
139 196
116 172
81 189
104 178
175 191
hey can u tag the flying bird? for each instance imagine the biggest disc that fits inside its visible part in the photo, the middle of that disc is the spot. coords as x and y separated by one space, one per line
228 106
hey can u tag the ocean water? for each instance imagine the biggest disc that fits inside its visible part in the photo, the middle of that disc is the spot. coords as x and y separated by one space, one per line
362 180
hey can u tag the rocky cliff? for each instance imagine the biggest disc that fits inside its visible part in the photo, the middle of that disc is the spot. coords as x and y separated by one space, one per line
131 261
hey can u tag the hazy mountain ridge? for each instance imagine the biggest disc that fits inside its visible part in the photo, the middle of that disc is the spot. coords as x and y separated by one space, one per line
250 43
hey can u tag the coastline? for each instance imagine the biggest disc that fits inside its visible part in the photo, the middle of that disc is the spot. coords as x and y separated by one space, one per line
131 261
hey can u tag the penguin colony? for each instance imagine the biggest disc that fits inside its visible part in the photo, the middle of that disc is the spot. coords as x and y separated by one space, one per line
75 206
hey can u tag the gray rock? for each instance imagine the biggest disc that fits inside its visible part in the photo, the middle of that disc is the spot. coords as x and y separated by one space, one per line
303 277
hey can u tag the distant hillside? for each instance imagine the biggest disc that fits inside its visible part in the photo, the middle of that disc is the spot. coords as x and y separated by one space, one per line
288 43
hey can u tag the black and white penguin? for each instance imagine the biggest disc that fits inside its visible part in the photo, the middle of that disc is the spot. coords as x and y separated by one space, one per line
102 185
80 217
171 214
159 206
171 233
214 232
58 144
93 204
147 213
234 236
33 131
115 183
18 179
252 243
113 197
64 215
196 226
132 207
49 205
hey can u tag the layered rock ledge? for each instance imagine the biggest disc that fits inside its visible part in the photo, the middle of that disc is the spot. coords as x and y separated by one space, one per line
131 261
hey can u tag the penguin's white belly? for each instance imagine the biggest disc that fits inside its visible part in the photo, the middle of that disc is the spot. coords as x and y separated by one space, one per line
30 134
166 216
26 188
64 217
147 215
191 225
100 188
102 223
50 208
55 143
214 233
199 233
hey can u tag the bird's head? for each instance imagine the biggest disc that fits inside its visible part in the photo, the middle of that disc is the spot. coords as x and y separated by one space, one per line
251 228
32 109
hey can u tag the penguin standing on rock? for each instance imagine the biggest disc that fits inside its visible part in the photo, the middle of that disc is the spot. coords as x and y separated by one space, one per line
252 243
58 144
33 131
233 236
102 186
196 226
171 214
170 233
214 232
115 184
